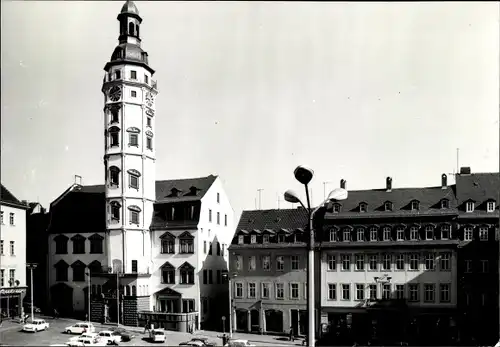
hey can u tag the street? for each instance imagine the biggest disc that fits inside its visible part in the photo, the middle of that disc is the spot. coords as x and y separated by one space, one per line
55 335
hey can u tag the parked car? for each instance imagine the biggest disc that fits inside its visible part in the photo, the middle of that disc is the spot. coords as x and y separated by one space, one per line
85 341
192 343
109 337
36 325
80 328
84 335
239 343
158 335
124 334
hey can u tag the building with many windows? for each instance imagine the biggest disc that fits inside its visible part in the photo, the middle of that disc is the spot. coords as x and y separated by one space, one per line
12 253
147 248
392 259
268 258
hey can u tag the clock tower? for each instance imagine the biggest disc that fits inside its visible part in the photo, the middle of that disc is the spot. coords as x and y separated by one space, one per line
129 151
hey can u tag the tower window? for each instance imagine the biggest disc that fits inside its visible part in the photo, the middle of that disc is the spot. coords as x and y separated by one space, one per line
133 140
133 181
114 116
148 121
113 135
149 143
133 93
133 75
115 210
131 29
134 217
114 176
137 30
146 79
118 74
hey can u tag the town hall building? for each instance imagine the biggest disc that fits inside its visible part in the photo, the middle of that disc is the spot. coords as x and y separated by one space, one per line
145 248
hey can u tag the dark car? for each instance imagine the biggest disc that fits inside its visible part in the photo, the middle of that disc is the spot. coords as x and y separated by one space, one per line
125 335
199 341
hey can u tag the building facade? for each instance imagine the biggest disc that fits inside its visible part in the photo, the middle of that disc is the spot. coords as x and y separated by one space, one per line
12 253
138 248
477 197
268 259
389 264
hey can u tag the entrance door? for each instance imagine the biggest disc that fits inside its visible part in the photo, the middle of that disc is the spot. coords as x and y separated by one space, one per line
254 320
295 321
303 319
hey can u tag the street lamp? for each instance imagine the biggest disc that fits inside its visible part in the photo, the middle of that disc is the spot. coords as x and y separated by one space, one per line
304 175
87 273
32 266
226 274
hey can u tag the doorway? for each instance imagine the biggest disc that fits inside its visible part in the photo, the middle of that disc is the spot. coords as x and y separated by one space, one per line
254 321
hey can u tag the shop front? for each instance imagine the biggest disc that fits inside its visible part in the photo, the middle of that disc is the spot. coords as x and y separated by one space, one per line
11 301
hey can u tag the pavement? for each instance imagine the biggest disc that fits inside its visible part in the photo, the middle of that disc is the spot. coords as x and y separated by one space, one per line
11 334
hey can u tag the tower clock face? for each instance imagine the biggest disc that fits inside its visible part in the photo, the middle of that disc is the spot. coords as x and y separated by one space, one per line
115 93
150 99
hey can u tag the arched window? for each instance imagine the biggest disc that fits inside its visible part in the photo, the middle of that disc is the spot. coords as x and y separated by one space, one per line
115 210
114 136
137 30
134 291
131 29
114 176
127 290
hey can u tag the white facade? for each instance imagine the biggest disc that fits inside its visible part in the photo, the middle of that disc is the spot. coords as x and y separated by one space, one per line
392 278
208 231
13 246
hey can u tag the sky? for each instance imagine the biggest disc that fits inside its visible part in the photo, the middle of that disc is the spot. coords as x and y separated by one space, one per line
250 90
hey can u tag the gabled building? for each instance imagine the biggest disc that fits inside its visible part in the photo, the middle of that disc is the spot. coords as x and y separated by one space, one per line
12 253
268 259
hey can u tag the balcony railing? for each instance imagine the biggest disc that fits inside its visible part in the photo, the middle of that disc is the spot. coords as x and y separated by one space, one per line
110 271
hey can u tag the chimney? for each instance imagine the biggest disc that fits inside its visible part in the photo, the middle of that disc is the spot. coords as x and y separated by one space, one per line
342 183
444 181
465 170
388 184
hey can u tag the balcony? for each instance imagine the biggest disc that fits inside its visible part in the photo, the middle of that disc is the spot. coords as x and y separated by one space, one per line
108 271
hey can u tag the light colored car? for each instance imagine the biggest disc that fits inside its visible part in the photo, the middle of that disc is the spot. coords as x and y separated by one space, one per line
109 337
85 341
36 325
239 343
192 343
79 328
84 335
159 335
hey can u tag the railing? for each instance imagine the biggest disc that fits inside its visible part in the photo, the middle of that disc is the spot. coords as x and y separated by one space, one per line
109 270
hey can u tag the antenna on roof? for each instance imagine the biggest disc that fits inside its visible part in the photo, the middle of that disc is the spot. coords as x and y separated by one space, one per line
324 189
458 156
279 200
78 179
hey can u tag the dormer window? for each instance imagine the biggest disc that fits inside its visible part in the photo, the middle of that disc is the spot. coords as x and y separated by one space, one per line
333 235
253 239
415 205
265 238
386 234
469 206
373 234
336 208
400 233
388 206
240 239
281 238
490 206
174 192
445 203
363 207
360 234
429 232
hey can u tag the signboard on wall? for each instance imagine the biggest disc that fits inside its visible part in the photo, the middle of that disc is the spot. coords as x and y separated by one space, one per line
10 291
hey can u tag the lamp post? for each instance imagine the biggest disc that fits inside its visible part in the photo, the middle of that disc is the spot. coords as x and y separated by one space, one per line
229 277
32 266
304 175
87 273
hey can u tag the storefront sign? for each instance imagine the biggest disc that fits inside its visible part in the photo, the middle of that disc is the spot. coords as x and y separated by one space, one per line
9 291
324 318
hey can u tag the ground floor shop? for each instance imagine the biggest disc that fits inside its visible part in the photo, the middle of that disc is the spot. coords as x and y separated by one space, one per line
389 326
267 318
11 301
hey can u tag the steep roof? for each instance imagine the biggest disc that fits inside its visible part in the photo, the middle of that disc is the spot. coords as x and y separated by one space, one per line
478 187
273 219
7 197
165 190
429 199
